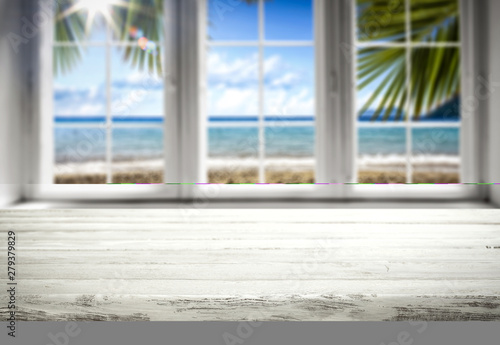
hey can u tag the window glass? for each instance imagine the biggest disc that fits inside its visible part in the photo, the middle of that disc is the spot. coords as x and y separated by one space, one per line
108 92
261 95
382 155
408 94
138 155
80 155
435 21
235 20
299 15
381 20
80 85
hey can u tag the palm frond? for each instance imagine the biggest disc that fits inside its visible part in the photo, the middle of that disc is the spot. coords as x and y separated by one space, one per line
145 15
68 28
435 73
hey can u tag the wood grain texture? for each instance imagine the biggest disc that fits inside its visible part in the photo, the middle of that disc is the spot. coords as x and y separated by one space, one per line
195 264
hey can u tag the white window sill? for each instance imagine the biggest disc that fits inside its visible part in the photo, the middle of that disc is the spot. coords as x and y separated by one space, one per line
238 204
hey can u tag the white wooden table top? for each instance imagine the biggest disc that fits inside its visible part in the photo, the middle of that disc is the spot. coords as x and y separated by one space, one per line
190 264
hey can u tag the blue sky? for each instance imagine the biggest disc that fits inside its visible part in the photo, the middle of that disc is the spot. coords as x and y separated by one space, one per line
237 20
232 71
83 91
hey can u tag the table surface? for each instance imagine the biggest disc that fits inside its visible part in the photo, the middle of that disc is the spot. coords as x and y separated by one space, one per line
191 264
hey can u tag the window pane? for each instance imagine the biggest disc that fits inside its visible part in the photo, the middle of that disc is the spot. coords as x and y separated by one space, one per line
140 21
233 154
381 20
382 155
138 155
290 142
137 93
79 86
436 84
127 21
289 81
74 25
436 155
290 154
233 107
288 174
381 85
232 81
289 114
232 20
80 155
289 20
435 21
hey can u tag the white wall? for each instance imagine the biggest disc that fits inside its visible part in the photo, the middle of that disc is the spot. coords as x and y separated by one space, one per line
10 105
493 42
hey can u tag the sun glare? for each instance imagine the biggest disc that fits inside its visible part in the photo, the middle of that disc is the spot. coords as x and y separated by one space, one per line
96 6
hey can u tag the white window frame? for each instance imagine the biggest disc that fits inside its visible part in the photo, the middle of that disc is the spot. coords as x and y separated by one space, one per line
470 151
185 119
336 140
265 191
41 184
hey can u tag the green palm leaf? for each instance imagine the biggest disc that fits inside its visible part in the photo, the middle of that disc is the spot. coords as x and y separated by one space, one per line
435 73
145 15
68 28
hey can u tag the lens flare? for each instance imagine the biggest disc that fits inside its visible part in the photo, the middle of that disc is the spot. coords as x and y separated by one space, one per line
143 42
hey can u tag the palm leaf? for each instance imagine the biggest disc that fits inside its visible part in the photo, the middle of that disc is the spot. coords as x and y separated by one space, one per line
435 74
143 14
68 28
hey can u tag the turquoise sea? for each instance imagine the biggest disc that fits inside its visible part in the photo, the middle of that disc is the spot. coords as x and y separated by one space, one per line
74 141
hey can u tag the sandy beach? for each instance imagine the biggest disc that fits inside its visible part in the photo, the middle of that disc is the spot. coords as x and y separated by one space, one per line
280 170
251 176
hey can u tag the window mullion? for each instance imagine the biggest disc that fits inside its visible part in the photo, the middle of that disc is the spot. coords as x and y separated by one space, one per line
470 112
191 112
262 138
171 137
328 129
109 120
409 114
348 66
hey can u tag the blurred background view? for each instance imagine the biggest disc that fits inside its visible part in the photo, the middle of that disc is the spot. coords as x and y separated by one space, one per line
260 116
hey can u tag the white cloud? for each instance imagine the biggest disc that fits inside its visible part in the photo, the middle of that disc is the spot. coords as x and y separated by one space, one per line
282 102
233 87
80 109
289 79
272 63
88 109
233 101
244 71
138 102
140 80
237 71
79 101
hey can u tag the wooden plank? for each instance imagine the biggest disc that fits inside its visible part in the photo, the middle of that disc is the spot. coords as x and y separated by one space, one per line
299 256
248 231
271 244
190 264
268 271
195 215
217 288
239 308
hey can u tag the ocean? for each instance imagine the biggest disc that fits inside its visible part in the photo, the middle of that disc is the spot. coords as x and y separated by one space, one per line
85 144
